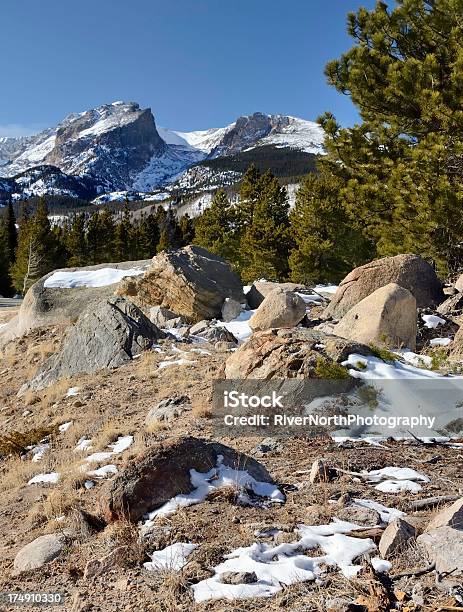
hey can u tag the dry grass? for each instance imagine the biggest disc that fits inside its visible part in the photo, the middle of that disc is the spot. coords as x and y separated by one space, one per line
201 407
107 435
16 473
147 365
55 392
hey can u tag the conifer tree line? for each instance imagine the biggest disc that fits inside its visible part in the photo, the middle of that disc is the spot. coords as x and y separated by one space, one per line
37 246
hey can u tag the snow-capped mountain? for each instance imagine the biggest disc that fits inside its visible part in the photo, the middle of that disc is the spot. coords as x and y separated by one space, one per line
118 147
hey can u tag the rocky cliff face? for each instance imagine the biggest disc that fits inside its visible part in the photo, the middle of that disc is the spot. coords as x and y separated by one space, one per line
114 142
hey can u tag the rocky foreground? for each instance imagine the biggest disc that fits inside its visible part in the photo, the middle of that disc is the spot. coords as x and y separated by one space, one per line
117 494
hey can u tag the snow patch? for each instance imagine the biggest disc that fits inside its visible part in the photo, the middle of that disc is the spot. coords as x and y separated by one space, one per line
89 278
172 558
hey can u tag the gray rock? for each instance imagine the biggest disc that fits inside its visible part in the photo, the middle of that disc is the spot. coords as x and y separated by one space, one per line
459 283
444 547
37 553
164 318
409 271
452 307
105 336
280 308
231 309
366 517
260 289
190 281
238 577
208 330
396 537
167 410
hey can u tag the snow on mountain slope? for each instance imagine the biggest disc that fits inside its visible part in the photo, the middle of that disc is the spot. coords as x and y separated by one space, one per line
119 147
297 134
205 140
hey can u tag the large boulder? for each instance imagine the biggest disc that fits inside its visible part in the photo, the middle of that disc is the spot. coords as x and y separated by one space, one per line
280 308
260 289
59 297
386 317
162 472
105 336
288 353
191 282
459 283
40 551
409 271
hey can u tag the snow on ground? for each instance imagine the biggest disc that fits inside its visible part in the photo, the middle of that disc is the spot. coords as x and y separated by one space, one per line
387 514
65 426
326 288
398 486
121 444
50 478
419 361
239 327
89 278
83 444
432 321
102 472
440 341
177 362
285 564
396 480
172 558
39 451
218 477
72 391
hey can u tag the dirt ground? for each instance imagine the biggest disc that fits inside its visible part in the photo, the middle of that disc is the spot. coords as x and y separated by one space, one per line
114 403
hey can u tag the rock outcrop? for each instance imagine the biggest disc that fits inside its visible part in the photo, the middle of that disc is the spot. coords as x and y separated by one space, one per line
280 308
386 317
288 353
396 537
409 271
105 336
162 472
191 282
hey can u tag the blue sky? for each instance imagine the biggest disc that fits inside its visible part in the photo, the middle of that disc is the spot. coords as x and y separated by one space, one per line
196 63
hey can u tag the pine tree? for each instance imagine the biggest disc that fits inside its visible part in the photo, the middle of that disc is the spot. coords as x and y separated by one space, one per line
146 236
101 234
402 168
36 252
187 230
12 232
326 247
266 241
76 242
123 245
216 228
170 235
249 193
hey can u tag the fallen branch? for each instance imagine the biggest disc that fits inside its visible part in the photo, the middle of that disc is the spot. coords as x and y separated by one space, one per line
429 502
414 573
